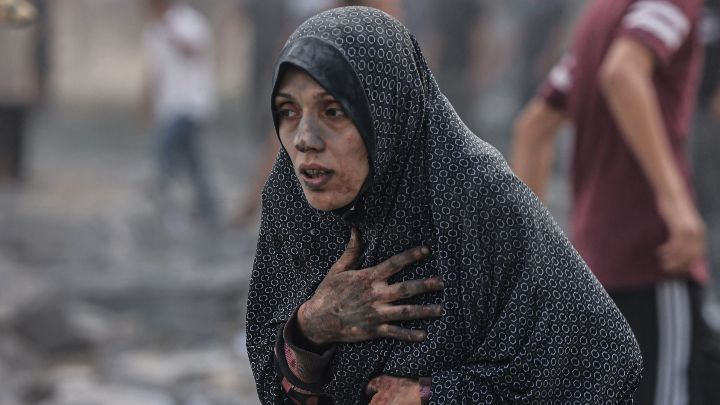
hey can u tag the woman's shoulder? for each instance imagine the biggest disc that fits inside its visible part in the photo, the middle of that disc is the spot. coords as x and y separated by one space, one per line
469 162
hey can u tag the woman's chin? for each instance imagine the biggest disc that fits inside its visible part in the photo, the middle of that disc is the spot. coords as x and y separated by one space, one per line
325 201
324 205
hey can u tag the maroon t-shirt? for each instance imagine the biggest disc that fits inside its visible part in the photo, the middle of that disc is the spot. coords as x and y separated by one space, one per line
615 224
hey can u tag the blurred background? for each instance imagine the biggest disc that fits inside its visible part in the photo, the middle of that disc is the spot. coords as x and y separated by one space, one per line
110 294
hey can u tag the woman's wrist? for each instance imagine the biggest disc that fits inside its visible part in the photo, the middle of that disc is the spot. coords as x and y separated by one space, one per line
308 332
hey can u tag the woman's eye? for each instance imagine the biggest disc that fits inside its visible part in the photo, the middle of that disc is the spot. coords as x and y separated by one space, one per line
335 112
286 113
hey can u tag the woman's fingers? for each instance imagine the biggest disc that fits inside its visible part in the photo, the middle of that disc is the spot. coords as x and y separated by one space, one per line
410 312
376 385
352 251
386 390
412 288
396 332
394 264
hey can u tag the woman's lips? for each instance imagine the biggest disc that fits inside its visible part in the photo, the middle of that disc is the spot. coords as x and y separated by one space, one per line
315 177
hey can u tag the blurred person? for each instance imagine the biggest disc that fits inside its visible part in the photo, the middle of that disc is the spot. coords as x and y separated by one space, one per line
628 87
399 260
180 96
21 82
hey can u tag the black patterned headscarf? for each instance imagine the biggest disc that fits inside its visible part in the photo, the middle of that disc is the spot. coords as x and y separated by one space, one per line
524 319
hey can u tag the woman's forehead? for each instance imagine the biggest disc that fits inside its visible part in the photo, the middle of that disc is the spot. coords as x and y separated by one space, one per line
295 82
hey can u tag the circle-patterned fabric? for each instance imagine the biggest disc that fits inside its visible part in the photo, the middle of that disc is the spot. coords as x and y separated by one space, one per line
524 319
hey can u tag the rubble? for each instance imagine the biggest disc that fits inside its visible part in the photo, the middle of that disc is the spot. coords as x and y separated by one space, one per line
102 301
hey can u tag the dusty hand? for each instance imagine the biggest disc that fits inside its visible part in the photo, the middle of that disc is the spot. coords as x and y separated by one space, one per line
386 390
686 241
356 305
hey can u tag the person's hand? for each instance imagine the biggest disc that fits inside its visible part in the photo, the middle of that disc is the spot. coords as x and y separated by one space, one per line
686 241
386 390
714 106
356 305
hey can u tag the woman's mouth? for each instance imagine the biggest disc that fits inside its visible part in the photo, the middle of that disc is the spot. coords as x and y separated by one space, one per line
315 178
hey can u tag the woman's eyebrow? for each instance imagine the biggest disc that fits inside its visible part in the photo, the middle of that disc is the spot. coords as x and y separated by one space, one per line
284 95
317 96
323 95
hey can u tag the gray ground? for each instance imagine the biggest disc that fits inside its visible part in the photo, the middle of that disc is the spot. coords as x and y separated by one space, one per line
105 300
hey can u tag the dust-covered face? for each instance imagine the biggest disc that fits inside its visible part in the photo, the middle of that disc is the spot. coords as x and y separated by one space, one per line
328 154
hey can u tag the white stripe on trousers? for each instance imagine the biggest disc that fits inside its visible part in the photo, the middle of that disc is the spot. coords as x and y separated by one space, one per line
675 333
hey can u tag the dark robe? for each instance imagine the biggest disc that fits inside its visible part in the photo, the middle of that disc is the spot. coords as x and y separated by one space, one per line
524 321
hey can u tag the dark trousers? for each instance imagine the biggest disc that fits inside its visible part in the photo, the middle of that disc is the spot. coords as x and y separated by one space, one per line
177 153
12 137
668 323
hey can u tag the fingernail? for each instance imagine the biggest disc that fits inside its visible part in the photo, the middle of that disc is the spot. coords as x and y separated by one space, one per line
425 250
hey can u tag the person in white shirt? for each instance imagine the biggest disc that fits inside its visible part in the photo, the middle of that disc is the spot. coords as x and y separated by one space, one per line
21 83
180 94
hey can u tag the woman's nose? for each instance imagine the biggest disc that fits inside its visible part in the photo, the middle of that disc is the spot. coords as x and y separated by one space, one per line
308 137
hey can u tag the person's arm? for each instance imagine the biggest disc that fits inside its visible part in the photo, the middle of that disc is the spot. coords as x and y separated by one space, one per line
533 144
626 81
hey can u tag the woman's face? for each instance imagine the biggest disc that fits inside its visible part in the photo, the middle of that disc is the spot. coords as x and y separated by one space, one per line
327 151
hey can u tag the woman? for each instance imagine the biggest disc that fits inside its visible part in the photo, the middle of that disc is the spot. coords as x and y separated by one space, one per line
456 286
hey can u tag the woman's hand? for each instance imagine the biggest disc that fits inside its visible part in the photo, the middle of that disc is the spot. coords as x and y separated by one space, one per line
386 390
356 305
